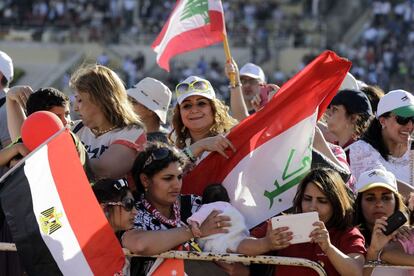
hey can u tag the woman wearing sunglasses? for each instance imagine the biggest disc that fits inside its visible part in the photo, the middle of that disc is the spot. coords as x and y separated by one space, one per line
162 210
200 120
110 130
386 143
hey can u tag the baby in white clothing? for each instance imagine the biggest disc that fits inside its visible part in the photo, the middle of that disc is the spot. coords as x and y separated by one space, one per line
215 197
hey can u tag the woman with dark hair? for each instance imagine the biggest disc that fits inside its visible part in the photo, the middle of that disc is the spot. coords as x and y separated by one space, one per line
386 143
162 210
335 243
348 117
377 199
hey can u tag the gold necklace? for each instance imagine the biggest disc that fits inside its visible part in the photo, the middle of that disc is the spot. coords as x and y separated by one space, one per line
101 132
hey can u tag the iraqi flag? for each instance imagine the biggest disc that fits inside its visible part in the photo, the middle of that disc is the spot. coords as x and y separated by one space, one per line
193 24
54 217
274 145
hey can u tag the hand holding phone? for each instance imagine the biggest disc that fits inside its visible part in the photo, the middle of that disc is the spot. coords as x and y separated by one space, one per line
394 222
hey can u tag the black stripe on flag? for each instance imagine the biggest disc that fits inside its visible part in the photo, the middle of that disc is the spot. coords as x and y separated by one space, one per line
16 201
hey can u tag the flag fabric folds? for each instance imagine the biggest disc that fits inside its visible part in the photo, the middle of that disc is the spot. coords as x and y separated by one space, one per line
54 217
274 145
192 24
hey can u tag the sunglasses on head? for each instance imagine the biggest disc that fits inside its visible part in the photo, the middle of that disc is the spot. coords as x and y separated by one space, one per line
127 203
120 183
197 85
403 120
157 155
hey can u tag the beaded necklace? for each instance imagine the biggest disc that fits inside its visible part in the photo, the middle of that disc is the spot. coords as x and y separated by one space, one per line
174 222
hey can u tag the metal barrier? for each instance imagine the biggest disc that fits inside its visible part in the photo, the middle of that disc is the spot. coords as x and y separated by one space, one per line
208 256
384 265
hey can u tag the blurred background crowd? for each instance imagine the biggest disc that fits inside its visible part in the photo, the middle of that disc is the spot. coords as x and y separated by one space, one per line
279 35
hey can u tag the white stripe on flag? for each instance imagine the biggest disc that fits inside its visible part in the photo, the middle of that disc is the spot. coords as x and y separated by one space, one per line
215 5
257 172
63 243
177 27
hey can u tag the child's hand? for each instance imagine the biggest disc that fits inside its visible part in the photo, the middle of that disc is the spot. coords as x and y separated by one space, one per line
19 94
21 149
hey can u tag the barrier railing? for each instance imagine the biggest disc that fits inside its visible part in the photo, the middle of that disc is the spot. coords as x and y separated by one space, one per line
384 265
208 256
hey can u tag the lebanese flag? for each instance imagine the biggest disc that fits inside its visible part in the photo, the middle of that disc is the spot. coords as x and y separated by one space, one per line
193 24
54 217
274 145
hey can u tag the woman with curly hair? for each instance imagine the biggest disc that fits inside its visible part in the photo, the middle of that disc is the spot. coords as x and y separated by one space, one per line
200 120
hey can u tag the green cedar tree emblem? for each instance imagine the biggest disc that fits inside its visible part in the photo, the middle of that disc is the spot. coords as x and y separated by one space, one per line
195 7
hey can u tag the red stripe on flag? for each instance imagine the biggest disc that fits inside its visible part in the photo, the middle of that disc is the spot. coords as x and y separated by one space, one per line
217 21
298 99
95 236
160 37
187 41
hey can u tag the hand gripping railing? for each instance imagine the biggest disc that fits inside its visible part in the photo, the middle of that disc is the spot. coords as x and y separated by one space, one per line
225 257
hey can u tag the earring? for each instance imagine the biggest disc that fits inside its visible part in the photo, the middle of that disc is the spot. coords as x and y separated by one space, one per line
145 190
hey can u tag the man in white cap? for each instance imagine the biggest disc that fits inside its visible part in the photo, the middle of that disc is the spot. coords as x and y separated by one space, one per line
151 99
6 76
252 78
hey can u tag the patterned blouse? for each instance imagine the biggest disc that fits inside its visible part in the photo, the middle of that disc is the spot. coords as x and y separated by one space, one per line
148 219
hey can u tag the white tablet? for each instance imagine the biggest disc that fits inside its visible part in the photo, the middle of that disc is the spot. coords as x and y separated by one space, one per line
299 224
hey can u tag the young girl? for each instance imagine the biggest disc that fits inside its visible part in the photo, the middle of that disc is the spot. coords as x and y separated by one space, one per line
118 205
335 244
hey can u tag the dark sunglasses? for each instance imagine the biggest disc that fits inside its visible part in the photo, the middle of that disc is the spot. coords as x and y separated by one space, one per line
157 155
127 203
403 120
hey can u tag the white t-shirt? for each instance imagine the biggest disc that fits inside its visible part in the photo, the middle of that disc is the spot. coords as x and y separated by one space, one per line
364 157
133 138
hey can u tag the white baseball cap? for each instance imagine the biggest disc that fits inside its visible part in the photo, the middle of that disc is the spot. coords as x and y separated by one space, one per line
376 178
349 82
203 89
154 95
400 102
253 71
6 66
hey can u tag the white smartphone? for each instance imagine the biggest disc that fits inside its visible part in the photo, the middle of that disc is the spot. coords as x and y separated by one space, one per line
299 224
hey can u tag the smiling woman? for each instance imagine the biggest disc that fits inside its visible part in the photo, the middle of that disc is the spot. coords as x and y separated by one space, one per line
386 144
200 120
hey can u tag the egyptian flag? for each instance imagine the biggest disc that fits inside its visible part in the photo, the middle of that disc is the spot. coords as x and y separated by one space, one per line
274 145
192 24
54 217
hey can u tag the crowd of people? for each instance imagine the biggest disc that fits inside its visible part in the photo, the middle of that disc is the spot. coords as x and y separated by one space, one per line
382 55
136 153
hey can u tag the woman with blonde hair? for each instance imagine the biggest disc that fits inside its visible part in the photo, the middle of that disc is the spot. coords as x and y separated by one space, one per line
200 120
110 130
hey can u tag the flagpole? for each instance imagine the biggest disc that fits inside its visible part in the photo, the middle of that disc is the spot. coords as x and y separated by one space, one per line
232 76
